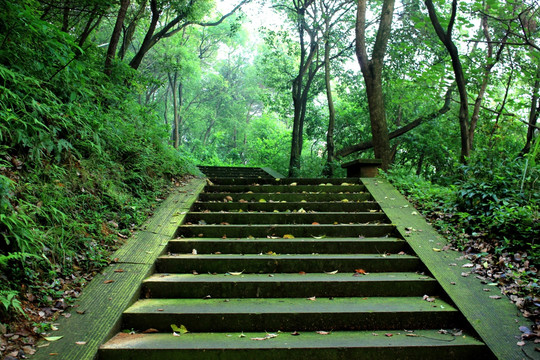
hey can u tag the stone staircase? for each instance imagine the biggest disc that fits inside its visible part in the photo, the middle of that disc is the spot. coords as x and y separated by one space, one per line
266 268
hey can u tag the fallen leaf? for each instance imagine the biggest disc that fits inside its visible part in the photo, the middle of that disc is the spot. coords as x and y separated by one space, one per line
436 250
80 342
302 273
288 236
315 223
323 332
293 184
53 338
108 281
521 343
496 297
360 271
467 265
182 329
388 335
295 333
242 335
262 200
331 272
259 338
313 298
344 200
235 273
194 252
150 331
119 270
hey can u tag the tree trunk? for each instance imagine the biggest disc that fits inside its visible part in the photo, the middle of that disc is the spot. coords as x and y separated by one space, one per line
147 42
130 31
300 91
173 82
115 37
93 21
446 39
372 73
330 147
533 114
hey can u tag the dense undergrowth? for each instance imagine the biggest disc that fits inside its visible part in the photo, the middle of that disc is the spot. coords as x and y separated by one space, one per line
492 214
82 163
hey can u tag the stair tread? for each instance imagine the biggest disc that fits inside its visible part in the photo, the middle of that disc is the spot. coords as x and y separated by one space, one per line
288 277
268 306
296 239
288 256
308 339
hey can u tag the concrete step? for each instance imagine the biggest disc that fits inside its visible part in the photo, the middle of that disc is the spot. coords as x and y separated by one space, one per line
288 206
163 285
284 181
290 314
288 197
202 218
313 263
379 245
342 345
280 230
271 188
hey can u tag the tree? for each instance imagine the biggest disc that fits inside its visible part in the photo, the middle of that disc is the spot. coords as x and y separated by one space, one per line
372 73
115 37
182 14
333 12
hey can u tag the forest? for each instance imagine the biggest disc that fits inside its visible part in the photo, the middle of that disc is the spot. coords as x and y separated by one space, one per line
106 107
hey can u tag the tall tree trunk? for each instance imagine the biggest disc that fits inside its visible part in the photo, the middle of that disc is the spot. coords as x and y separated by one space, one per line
300 90
533 114
372 73
147 41
130 31
115 37
173 81
65 17
491 61
446 39
330 147
93 21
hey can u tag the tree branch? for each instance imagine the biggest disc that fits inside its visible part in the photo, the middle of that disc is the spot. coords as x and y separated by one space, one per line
402 130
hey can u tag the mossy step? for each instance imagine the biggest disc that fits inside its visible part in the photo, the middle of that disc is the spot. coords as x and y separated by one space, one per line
280 230
289 197
379 245
288 285
285 218
268 188
342 345
286 263
284 181
290 314
288 206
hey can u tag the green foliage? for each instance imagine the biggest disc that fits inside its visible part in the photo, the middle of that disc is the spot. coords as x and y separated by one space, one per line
486 203
10 303
81 160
